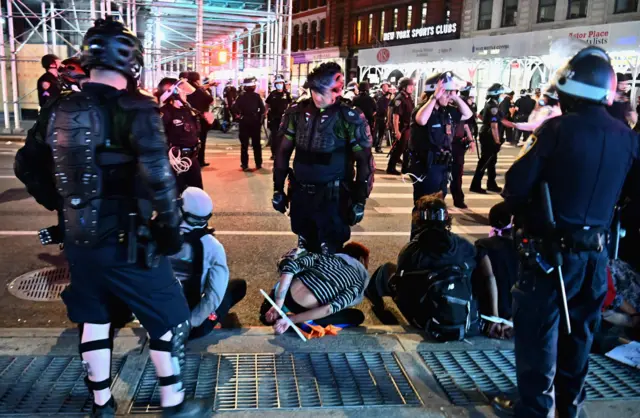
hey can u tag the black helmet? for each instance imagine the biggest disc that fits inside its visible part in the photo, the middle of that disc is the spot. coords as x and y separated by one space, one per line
49 61
193 77
552 93
588 76
71 73
404 82
109 44
450 81
495 90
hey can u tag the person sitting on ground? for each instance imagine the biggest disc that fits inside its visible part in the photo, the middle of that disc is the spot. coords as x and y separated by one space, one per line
201 266
320 288
497 271
431 284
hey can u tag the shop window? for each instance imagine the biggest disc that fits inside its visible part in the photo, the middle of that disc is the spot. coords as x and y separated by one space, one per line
395 19
546 11
423 16
338 40
484 15
381 25
304 5
322 33
314 35
625 6
359 30
322 3
313 4
409 16
509 13
577 9
296 6
370 33
295 38
305 36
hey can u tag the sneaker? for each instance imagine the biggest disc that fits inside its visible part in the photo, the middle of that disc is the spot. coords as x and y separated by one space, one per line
477 189
460 205
189 409
245 168
494 188
107 410
393 171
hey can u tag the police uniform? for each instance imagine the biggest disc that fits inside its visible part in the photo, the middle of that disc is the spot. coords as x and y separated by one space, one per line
201 100
323 195
183 130
278 102
403 107
51 92
250 109
459 147
382 107
229 94
367 106
584 156
489 148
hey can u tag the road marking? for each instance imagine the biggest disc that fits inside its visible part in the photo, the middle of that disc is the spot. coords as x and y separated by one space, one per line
453 210
469 196
8 177
458 229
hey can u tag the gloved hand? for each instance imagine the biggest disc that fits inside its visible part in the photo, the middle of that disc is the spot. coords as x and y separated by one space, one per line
356 214
166 233
51 235
280 201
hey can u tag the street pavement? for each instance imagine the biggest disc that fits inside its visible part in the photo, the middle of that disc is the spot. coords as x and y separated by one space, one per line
253 234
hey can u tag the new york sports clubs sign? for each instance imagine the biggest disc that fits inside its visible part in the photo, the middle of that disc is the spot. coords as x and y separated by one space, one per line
425 32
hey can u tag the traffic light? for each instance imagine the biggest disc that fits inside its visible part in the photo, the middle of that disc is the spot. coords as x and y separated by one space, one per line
217 55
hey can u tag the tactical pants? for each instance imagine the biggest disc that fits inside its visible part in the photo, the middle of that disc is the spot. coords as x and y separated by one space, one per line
204 130
399 150
250 132
379 133
273 131
236 291
548 361
518 134
191 177
487 161
320 218
457 171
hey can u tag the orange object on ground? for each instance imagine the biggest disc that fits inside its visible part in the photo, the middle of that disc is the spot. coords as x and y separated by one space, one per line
318 331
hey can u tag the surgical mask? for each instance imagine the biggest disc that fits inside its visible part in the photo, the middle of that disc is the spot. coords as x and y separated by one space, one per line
279 86
541 102
500 99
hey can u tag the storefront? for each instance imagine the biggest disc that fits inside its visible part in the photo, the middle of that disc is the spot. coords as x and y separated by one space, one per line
305 61
522 60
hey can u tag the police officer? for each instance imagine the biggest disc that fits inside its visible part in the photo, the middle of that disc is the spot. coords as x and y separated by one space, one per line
584 187
490 141
462 141
382 98
328 136
524 107
277 102
182 127
71 75
48 84
351 92
621 106
250 110
80 158
433 123
200 100
401 111
229 96
365 103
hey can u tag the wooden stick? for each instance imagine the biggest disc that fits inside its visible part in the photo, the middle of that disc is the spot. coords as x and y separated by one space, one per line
283 315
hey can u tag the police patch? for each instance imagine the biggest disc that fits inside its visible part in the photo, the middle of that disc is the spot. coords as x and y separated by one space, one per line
494 111
527 146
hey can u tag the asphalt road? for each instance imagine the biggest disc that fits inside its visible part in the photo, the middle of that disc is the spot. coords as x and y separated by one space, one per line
253 234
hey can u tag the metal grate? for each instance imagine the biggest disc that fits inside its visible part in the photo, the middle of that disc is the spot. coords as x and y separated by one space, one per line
475 377
287 381
45 385
43 285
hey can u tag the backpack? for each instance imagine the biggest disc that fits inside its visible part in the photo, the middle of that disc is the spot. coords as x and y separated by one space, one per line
440 301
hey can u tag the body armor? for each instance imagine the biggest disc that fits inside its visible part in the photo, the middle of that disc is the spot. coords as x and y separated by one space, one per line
92 170
187 265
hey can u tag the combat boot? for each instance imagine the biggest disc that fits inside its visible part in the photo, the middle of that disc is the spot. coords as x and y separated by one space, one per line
107 410
192 408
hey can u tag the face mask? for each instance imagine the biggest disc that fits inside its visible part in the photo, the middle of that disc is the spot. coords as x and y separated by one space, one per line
500 99
279 86
542 102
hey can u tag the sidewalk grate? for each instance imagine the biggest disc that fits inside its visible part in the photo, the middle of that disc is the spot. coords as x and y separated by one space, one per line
45 385
476 377
287 381
43 285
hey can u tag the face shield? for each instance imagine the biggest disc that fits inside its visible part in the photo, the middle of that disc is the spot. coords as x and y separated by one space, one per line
182 89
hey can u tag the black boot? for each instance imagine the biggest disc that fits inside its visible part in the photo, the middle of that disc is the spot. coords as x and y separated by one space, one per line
494 188
189 409
107 410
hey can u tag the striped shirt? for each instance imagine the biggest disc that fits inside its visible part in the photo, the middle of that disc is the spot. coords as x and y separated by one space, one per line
331 278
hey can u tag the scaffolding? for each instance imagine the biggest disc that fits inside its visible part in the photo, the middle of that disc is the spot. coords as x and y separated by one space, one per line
177 36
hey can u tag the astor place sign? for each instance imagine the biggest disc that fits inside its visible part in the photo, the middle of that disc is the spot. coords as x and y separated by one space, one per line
425 32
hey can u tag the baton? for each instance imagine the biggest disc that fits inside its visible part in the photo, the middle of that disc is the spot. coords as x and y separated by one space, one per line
557 257
283 315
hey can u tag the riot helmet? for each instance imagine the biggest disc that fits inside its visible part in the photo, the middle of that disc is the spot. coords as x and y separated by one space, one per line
71 73
432 212
49 62
587 76
450 82
249 84
352 86
170 89
496 90
550 97
468 91
278 82
110 45
404 82
196 207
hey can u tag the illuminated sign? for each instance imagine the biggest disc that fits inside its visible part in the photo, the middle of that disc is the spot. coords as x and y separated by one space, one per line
426 32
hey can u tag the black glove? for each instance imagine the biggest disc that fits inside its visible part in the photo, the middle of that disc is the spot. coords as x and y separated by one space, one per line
356 214
166 233
51 235
280 201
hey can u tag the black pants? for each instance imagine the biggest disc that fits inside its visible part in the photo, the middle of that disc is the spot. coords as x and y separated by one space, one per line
508 135
320 217
191 177
204 130
273 136
487 161
458 150
399 150
548 361
236 291
250 132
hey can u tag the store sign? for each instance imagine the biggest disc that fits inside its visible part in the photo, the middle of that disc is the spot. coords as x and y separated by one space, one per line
419 33
383 55
316 55
592 37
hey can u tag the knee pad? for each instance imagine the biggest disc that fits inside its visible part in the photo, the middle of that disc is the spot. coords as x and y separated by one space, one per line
179 337
95 345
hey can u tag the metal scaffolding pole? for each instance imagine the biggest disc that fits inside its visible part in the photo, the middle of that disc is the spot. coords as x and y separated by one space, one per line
269 25
279 38
108 7
134 11
45 38
236 62
92 6
14 70
156 49
199 35
3 68
289 33
262 48
102 8
249 49
54 35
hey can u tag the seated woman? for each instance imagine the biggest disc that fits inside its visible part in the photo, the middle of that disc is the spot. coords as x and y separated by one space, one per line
497 270
320 288
431 284
201 266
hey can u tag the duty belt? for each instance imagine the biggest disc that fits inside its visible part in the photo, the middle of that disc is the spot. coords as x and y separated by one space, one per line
442 158
328 191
